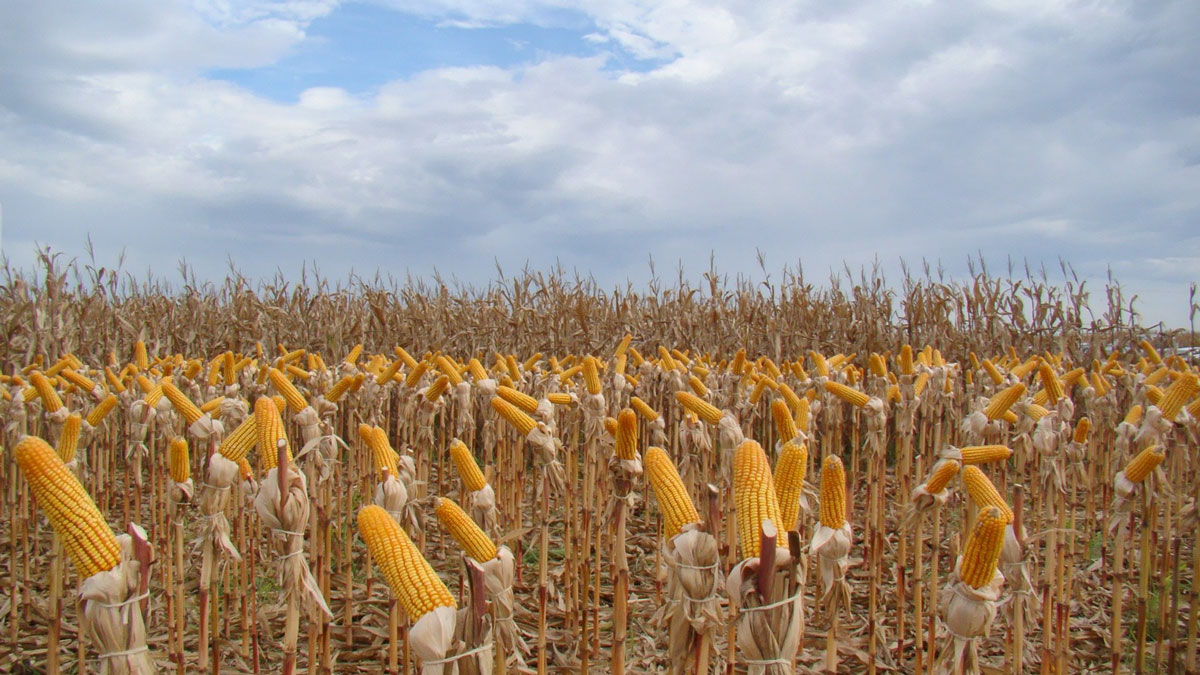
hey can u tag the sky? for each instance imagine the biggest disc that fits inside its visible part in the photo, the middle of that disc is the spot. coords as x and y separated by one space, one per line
409 136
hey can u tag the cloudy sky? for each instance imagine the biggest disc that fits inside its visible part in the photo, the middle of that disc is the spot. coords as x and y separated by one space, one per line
410 135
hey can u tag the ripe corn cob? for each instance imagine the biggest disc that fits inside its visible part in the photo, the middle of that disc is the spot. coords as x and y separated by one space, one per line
566 375
790 470
847 394
610 426
514 370
591 375
941 476
802 415
626 446
114 382
411 578
643 408
667 361
177 460
530 362
270 432
140 359
280 404
739 362
102 409
1081 430
180 400
906 360
982 492
83 382
833 492
1034 411
1099 384
985 454
68 438
983 548
559 398
520 399
236 445
476 369
992 371
1134 415
1003 400
1054 389
673 500
468 470
339 388
876 365
409 361
697 386
515 416
465 531
921 383
355 352
1154 395
1182 390
1151 352
439 387
759 388
381 449
50 400
820 365
701 408
289 391
785 424
86 537
754 491
1141 465
638 359
415 375
449 369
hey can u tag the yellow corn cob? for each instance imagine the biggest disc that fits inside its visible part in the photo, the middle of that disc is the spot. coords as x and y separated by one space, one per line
515 416
83 382
1134 415
759 387
506 381
667 362
468 470
982 551
754 492
790 470
906 360
820 365
381 449
1073 377
591 375
388 373
992 371
229 368
772 369
610 426
177 460
876 365
238 444
1054 390
624 344
697 386
270 432
643 408
739 362
411 578
476 370
559 398
982 492
921 383
289 391
102 409
1151 352
1081 430
1003 400
802 415
339 388
1099 384
1193 409
942 473
785 424
1025 368
407 358
474 542
59 366
833 492
68 438
415 375
626 447
701 408
847 394
86 537
673 500
520 399
180 400
531 362
620 367
985 454
567 374
50 400
700 371
1154 395
355 352
1141 465
1182 390
114 382
514 370
140 358
638 359
449 369
439 387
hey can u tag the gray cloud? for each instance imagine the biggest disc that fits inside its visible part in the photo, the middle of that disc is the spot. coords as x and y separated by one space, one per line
849 132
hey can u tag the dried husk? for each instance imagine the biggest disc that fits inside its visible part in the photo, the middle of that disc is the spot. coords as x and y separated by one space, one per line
287 527
768 633
112 615
968 614
693 608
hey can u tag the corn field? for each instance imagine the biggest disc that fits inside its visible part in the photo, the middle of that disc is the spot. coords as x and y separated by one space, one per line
542 475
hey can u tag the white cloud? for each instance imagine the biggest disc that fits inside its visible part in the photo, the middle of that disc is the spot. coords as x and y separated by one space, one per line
815 133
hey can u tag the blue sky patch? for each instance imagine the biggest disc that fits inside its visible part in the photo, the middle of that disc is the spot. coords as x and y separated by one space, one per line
359 47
